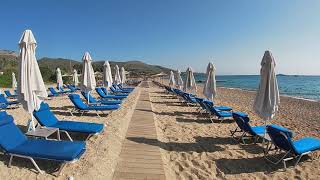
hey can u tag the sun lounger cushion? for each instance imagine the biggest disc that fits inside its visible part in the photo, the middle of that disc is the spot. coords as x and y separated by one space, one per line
306 144
46 118
57 150
224 114
13 141
102 107
83 127
258 130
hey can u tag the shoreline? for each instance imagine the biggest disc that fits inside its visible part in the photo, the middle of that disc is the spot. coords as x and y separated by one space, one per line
281 95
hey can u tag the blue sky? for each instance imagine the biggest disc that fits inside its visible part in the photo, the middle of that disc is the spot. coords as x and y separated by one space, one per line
232 34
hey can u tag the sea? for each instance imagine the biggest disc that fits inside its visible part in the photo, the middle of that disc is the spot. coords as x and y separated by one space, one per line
305 87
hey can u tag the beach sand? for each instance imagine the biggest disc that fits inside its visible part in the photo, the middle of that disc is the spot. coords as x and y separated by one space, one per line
194 148
100 158
191 146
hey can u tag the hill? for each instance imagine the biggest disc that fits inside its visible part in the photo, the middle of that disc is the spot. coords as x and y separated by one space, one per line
9 63
135 68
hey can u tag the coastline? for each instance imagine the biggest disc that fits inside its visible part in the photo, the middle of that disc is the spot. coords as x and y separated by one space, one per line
281 94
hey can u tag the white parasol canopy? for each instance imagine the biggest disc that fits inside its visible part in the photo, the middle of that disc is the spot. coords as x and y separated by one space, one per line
31 89
209 89
179 81
88 80
267 100
107 75
59 78
123 75
172 81
75 78
14 81
190 83
117 78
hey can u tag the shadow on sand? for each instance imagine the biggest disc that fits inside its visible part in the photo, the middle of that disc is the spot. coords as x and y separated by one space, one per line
50 167
89 114
201 144
251 165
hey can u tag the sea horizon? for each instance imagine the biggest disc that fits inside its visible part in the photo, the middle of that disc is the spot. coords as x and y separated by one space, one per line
297 86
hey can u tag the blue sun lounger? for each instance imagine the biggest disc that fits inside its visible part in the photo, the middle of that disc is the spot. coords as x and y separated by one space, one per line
245 129
119 87
117 91
3 100
105 90
281 138
105 96
61 90
71 88
81 107
204 108
9 95
54 92
125 88
46 118
213 111
93 100
14 143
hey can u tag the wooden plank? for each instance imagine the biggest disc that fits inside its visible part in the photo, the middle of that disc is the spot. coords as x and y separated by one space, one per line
140 160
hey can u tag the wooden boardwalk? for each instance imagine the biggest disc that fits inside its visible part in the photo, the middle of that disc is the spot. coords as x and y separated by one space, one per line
140 156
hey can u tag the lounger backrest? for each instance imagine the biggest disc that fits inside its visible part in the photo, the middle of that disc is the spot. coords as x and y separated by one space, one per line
10 135
53 91
112 89
200 102
242 121
105 90
61 89
3 99
44 116
281 137
100 92
8 93
75 99
91 98
71 88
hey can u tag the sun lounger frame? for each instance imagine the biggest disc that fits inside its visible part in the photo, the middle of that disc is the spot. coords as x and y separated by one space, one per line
285 157
35 164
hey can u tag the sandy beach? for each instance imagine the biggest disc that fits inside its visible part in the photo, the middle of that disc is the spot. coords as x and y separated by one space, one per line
191 146
102 151
194 148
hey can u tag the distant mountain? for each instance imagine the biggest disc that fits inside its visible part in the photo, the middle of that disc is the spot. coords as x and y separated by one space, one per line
9 63
135 68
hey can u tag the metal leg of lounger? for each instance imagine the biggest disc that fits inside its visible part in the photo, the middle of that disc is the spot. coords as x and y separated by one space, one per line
71 111
89 136
234 131
300 156
58 173
36 165
98 114
242 137
277 161
10 161
26 157
222 119
69 137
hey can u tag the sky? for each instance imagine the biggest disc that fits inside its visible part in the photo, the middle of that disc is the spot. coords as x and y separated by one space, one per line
232 34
